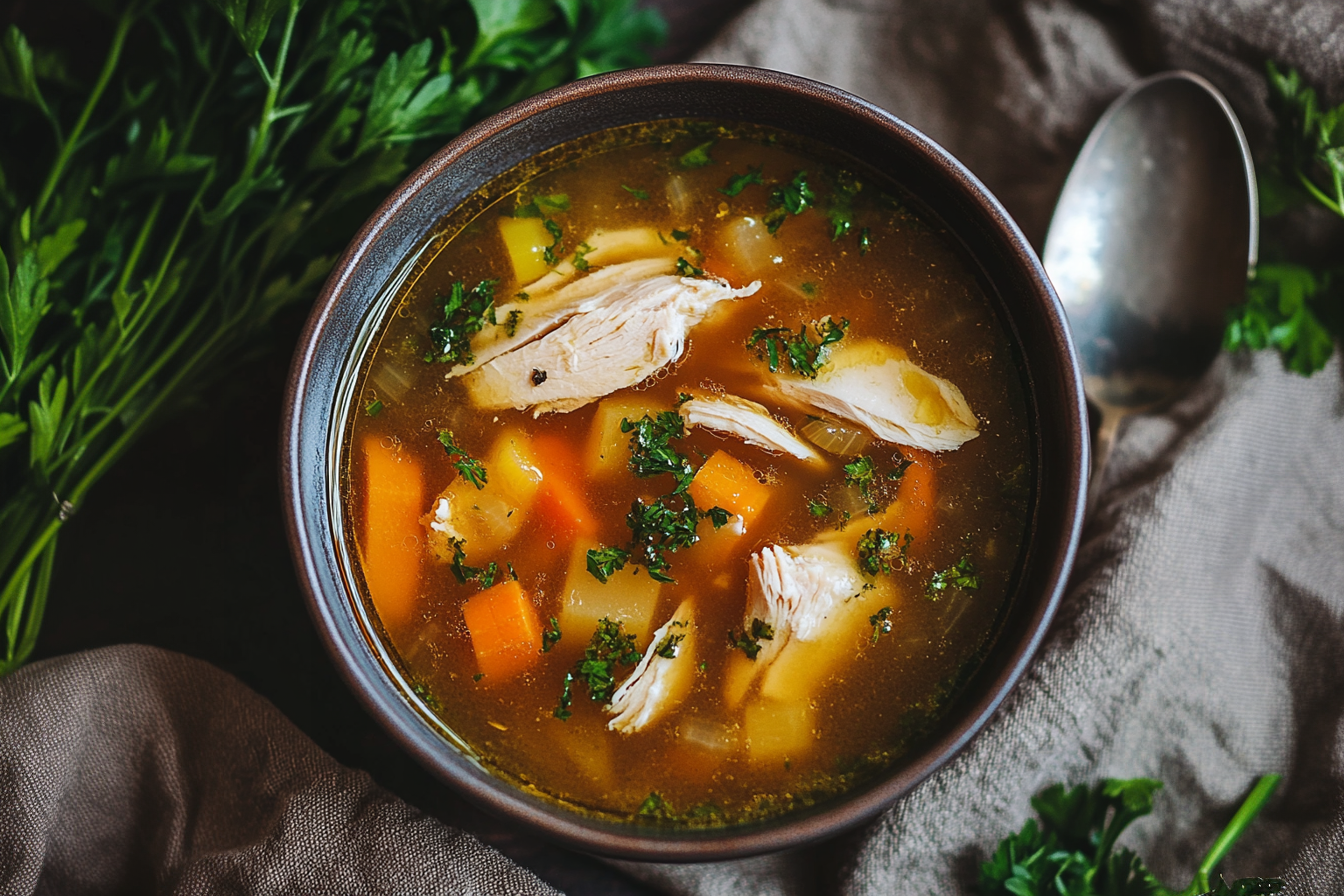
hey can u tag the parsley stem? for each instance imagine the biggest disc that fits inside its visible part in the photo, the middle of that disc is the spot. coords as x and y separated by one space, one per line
1259 795
69 146
273 80
1320 196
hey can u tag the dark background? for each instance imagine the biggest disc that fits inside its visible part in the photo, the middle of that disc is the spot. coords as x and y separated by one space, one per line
182 546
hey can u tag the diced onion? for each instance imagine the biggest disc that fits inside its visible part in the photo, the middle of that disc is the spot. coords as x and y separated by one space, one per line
836 438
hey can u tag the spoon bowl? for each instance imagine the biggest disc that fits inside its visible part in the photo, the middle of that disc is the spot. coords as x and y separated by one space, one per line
1151 242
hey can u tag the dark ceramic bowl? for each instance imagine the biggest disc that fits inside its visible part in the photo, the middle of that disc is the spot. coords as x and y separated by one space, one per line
350 306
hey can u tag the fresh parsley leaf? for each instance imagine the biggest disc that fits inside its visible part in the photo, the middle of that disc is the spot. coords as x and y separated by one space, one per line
680 236
881 623
562 709
1282 301
553 252
803 354
840 209
471 469
374 408
541 206
580 262
551 636
718 516
641 195
961 575
698 157
882 552
861 473
739 182
686 269
605 562
464 313
865 241
512 321
667 524
749 640
818 508
792 198
667 648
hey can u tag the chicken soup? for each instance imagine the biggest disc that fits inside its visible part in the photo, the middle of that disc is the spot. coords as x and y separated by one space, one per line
688 474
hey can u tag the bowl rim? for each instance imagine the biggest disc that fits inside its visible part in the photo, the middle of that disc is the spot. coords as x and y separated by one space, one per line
498 795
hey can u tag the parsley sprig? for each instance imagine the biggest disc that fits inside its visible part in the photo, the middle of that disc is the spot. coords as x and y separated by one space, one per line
792 198
1072 849
1292 307
159 213
961 575
471 469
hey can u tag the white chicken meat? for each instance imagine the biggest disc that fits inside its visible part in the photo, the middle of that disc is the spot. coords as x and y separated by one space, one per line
662 678
747 420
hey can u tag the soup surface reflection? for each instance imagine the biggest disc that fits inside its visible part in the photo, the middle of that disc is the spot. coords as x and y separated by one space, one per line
688 474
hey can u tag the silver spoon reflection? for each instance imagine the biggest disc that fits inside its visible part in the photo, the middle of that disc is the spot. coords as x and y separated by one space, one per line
1152 240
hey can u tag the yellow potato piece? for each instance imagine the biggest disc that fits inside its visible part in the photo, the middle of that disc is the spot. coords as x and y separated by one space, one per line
627 597
608 449
778 730
526 240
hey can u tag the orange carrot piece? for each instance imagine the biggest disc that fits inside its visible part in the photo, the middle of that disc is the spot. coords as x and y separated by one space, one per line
915 496
393 502
561 503
724 481
504 631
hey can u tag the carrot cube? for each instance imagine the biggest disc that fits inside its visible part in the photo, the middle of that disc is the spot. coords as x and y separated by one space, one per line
561 504
915 496
724 481
504 631
394 499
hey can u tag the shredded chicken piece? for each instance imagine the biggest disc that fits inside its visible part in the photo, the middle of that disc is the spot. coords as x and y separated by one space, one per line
631 333
749 421
542 313
795 590
609 247
878 387
662 677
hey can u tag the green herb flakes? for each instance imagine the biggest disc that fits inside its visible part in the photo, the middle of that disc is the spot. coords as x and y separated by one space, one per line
739 182
818 508
686 269
556 249
749 641
471 469
881 623
697 157
580 261
792 198
801 353
551 636
882 552
651 451
512 321
541 206
609 648
373 408
464 313
641 195
960 575
860 473
604 562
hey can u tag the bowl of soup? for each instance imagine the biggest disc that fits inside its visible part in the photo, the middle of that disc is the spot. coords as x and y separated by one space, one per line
686 462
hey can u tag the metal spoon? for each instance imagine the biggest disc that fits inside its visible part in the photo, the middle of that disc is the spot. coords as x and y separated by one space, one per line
1152 240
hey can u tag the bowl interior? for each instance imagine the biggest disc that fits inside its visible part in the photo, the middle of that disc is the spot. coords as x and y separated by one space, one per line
385 254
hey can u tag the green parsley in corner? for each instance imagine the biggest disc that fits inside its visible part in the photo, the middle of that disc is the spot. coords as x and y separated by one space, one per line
1072 851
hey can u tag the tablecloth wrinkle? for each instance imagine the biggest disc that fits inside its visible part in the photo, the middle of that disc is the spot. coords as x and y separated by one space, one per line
1201 640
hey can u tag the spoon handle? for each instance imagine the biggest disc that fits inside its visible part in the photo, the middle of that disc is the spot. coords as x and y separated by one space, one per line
1101 449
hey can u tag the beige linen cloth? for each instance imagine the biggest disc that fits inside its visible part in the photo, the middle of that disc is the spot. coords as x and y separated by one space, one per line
1201 641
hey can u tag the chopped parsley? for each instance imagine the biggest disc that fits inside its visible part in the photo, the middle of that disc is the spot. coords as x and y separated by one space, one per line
580 262
522 297
865 241
718 516
809 290
749 641
802 354
860 473
667 648
562 708
373 408
604 562
897 473
651 451
471 469
739 182
686 269
697 157
961 575
511 322
840 208
661 526
478 676
609 648
680 236
641 195
818 508
553 252
881 623
465 313
881 552
654 806
551 636
541 206
484 577
792 198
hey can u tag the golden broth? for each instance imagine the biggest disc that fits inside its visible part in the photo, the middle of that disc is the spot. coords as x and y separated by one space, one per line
845 712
